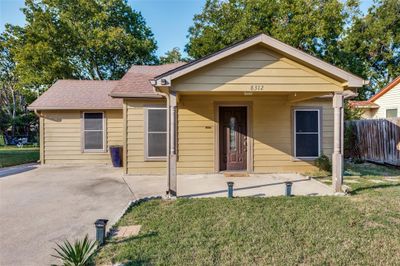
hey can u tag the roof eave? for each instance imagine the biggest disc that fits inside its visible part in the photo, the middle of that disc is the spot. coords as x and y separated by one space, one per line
40 108
366 107
139 96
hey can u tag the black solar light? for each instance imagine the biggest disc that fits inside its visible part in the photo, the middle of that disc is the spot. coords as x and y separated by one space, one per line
101 230
288 189
230 189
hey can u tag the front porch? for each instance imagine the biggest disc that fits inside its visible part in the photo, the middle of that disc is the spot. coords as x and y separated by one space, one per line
215 185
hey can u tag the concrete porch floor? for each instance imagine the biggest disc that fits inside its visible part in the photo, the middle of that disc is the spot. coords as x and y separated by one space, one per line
214 185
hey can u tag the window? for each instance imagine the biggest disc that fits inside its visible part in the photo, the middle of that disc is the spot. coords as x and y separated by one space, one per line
391 113
156 132
306 133
93 132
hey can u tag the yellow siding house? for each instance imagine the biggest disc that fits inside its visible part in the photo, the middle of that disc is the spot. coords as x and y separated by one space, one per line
258 106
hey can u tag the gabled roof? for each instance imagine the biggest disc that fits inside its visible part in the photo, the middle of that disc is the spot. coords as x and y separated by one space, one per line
78 95
388 87
351 79
136 82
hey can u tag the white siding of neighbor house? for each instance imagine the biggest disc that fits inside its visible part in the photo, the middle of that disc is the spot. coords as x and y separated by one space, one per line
389 100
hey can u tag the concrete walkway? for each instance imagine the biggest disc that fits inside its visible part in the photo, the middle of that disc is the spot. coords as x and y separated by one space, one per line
41 206
214 185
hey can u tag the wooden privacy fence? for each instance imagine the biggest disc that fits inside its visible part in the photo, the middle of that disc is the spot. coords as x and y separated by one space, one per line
375 140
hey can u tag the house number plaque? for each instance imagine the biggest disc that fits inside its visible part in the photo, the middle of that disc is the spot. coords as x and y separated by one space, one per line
256 87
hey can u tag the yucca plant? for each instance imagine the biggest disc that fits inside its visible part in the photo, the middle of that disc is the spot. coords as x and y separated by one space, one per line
78 254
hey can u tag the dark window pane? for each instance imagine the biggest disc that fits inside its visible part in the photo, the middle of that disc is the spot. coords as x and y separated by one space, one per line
306 145
391 113
157 144
93 121
157 120
94 140
306 121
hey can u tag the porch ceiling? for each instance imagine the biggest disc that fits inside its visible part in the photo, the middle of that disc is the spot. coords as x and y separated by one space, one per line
292 97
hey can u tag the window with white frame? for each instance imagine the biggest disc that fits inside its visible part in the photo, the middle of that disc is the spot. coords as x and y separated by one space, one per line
156 132
93 132
307 136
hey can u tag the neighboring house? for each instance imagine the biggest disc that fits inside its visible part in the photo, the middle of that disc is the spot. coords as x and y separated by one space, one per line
259 106
384 104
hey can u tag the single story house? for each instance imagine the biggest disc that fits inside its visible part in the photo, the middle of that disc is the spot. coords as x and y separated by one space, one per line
259 106
384 104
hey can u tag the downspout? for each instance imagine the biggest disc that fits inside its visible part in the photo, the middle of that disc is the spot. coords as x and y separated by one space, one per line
166 95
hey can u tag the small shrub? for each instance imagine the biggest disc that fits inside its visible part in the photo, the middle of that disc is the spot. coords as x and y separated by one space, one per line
357 160
323 163
351 150
78 254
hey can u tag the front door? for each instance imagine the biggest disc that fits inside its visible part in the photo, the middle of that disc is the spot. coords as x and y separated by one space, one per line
233 138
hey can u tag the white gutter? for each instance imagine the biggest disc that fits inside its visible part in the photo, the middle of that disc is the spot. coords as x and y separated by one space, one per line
36 113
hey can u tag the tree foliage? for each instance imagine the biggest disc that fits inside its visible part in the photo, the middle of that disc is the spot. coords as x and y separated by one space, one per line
67 39
373 43
14 117
172 56
80 39
332 30
311 25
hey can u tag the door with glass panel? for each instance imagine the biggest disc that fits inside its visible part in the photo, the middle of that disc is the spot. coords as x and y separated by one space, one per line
233 138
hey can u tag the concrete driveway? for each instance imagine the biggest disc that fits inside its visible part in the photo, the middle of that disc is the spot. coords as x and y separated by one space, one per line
40 206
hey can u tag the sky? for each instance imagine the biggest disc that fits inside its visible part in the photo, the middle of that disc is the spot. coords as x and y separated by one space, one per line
169 20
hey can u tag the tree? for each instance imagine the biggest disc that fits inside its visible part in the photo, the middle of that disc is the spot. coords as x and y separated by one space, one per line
373 41
314 26
15 120
80 39
172 56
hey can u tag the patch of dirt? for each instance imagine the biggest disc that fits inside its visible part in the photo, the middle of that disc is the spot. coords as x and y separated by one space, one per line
351 181
376 181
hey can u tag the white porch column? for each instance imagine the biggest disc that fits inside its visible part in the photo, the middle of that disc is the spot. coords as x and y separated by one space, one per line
337 156
172 182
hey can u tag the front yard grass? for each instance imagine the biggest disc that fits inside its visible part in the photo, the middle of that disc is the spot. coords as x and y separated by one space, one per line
363 177
360 229
10 156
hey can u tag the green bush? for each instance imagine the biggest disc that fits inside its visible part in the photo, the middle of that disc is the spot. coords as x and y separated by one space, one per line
323 163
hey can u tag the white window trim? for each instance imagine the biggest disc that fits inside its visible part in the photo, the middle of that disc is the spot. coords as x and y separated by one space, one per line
104 133
146 134
392 108
294 133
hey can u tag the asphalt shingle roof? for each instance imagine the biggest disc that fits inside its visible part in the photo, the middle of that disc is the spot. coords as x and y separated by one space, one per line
99 94
78 94
136 82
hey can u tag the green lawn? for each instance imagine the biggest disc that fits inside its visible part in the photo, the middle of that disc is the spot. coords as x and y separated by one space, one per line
360 229
10 156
